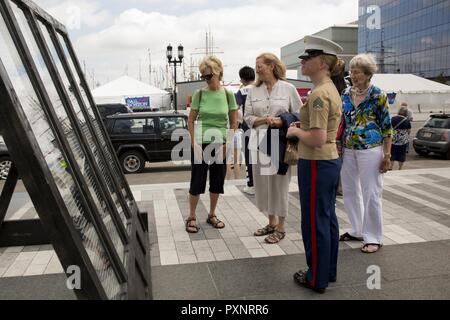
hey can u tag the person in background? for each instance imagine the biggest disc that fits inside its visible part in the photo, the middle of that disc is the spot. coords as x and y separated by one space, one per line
247 75
402 130
319 165
410 117
271 104
367 154
214 109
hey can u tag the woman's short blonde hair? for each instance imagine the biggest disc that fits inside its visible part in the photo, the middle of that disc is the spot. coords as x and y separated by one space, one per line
279 69
365 62
214 64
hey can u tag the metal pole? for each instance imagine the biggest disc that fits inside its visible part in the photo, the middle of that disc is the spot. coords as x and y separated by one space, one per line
175 88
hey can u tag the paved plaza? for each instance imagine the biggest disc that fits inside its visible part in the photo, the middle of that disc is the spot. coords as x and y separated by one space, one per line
232 263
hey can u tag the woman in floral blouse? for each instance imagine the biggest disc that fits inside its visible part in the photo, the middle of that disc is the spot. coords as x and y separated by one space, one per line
367 152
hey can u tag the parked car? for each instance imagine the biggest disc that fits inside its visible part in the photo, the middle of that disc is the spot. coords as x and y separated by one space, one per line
5 160
434 136
144 137
112 108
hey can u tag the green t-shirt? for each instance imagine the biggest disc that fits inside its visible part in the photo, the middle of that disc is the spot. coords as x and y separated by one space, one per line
213 110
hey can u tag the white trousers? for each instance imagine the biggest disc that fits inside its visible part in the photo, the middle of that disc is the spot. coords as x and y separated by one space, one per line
362 185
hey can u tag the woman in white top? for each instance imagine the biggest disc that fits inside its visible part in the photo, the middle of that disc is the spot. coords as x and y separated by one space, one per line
271 97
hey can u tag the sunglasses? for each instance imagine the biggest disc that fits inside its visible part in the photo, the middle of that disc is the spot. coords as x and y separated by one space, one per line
207 77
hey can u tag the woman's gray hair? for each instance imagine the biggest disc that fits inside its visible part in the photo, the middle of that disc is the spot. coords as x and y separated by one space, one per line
365 62
403 111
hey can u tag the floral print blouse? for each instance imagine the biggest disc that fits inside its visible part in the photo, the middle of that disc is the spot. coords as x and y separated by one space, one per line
367 125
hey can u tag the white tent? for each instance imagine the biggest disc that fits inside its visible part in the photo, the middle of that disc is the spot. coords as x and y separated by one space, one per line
420 94
127 89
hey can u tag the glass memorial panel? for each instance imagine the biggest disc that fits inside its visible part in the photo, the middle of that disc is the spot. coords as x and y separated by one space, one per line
97 131
56 162
96 122
82 161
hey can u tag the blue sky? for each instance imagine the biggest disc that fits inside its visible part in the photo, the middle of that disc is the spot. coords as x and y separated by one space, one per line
115 37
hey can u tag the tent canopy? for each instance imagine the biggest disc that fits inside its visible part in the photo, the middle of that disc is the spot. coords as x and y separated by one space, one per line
126 87
408 83
420 94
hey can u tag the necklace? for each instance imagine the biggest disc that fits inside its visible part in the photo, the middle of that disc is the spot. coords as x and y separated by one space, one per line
360 92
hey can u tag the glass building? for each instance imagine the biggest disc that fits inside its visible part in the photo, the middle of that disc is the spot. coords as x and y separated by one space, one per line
407 36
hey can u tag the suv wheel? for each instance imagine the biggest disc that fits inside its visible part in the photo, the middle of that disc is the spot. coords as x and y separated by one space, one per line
447 155
132 162
5 165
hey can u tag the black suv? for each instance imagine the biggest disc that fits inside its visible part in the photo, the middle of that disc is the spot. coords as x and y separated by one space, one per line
434 136
145 137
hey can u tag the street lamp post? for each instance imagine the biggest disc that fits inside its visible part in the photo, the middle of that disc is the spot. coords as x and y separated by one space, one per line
173 61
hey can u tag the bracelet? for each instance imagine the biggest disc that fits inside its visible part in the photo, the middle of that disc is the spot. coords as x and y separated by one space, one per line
387 155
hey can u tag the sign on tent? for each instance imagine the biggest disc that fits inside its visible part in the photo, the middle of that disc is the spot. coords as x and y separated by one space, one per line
138 102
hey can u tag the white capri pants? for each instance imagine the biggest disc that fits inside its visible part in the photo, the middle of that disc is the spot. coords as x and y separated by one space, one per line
362 185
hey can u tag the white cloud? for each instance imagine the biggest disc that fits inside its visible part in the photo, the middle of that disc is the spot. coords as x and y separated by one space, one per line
241 33
82 13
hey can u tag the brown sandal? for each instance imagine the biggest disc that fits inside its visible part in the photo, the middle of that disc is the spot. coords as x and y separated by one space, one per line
215 222
191 228
275 237
265 231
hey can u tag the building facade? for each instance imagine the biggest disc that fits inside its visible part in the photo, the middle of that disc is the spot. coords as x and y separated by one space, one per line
407 36
345 35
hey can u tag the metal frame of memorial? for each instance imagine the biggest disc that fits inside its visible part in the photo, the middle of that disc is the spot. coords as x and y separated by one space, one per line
63 154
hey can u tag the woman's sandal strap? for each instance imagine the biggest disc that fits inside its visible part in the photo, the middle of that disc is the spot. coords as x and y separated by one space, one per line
216 224
190 228
265 231
275 237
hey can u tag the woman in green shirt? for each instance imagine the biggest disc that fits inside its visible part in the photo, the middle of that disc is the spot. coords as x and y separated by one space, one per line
213 108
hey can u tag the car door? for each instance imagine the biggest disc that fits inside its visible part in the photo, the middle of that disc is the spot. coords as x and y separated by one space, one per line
135 133
168 125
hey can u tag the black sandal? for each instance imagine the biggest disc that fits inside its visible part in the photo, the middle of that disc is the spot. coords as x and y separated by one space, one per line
190 228
366 246
347 237
210 221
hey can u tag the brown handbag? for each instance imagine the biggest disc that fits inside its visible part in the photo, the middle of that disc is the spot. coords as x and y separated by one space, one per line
291 156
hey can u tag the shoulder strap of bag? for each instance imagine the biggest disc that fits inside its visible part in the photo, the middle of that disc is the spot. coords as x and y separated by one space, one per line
398 124
200 95
228 98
